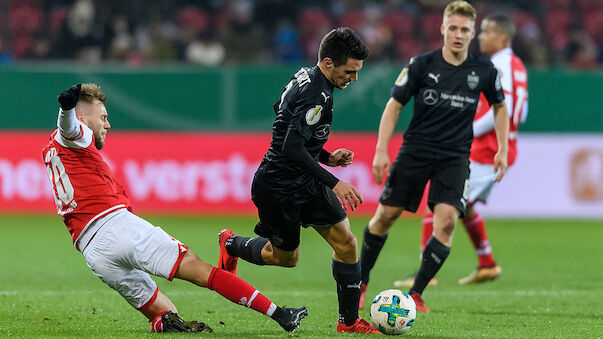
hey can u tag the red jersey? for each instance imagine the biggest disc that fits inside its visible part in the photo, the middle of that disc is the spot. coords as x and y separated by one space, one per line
514 80
84 187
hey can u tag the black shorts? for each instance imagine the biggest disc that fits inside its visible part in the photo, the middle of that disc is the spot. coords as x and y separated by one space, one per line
281 217
409 175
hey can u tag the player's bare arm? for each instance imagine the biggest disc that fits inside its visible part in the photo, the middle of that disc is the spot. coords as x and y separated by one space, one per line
501 125
389 120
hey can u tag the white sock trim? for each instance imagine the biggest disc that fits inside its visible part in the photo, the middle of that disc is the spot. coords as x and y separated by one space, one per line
271 310
255 293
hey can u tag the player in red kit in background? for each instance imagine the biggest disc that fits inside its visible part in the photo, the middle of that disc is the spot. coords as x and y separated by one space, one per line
495 39
121 248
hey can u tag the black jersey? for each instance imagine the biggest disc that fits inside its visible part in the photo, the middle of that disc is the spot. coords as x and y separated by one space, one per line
446 98
305 106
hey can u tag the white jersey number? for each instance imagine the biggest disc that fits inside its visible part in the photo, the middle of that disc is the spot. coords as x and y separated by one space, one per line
521 94
61 185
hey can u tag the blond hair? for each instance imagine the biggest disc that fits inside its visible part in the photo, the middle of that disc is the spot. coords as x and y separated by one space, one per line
461 8
91 91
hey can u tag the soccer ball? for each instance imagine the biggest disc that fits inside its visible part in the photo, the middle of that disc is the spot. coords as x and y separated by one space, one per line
393 312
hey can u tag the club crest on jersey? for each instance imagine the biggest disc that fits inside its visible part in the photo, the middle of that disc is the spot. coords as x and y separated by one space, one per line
472 80
402 78
313 115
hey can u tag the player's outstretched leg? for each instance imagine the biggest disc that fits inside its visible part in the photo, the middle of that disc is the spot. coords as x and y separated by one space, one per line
239 291
487 269
371 247
290 318
226 261
169 321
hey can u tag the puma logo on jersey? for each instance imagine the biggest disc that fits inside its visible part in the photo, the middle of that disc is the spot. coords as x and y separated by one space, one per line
434 77
326 96
313 115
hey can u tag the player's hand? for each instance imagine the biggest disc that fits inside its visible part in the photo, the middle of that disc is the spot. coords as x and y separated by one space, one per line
69 97
348 195
380 164
500 165
341 157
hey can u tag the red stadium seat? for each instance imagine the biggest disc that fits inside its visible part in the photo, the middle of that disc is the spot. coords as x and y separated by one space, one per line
408 47
353 19
57 17
522 18
557 21
21 44
593 24
24 19
312 19
193 18
400 23
430 25
557 5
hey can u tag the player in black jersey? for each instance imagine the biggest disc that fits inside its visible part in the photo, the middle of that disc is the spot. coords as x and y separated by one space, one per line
446 84
290 188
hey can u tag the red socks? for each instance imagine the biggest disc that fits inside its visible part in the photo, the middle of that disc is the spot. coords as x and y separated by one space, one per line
476 227
156 324
427 229
239 291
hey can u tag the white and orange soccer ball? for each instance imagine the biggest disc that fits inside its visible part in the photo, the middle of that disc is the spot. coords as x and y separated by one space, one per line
393 312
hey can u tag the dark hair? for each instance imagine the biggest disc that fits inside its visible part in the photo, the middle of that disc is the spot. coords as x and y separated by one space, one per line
504 23
341 44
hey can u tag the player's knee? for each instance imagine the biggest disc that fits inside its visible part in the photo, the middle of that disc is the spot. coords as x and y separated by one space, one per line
385 218
347 247
448 224
288 260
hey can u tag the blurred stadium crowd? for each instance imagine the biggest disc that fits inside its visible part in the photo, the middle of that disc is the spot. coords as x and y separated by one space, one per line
214 32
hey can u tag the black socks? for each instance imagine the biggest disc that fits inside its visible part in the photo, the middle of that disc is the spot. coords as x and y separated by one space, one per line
348 278
246 248
434 255
371 247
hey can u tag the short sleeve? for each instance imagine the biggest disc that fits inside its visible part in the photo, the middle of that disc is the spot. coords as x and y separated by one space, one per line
494 91
407 82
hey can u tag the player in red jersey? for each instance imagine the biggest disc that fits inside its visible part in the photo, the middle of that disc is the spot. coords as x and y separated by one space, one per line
497 32
121 248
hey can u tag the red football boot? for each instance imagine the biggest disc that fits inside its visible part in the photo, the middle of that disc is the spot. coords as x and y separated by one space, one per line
360 326
226 261
419 302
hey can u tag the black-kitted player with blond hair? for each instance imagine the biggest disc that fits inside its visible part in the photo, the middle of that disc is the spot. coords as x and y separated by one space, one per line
290 188
446 84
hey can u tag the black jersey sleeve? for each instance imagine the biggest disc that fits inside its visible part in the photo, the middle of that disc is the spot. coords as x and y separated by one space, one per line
293 148
494 91
307 113
407 82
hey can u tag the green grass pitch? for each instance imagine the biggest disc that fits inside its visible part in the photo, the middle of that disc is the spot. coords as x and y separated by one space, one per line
552 283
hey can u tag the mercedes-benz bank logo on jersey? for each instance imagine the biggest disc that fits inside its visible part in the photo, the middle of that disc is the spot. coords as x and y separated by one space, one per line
430 97
322 131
